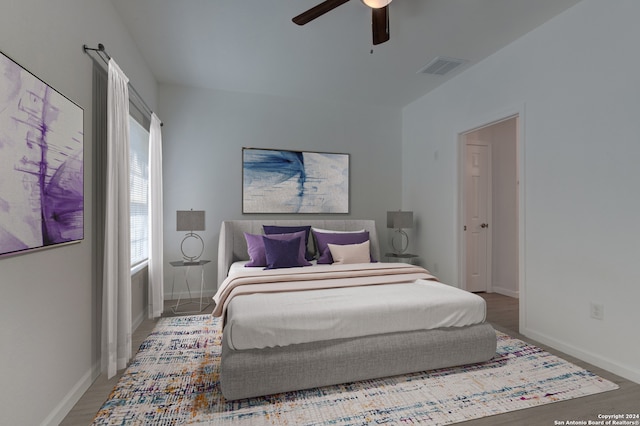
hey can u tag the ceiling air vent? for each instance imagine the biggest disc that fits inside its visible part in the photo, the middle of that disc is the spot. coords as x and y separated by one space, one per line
441 65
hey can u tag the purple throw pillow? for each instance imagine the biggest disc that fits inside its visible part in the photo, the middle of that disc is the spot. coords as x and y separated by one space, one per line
275 229
282 253
256 248
322 239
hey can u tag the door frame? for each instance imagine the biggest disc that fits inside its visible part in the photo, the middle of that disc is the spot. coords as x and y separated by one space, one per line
489 254
473 125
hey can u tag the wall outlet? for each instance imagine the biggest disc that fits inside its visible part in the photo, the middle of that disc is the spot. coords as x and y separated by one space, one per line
597 311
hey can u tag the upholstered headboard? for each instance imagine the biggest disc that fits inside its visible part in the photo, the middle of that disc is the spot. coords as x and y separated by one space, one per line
232 245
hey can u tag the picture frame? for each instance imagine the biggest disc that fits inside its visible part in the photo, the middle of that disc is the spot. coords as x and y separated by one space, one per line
284 181
41 163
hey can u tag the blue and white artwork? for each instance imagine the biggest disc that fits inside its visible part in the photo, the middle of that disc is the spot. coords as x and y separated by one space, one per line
276 181
41 163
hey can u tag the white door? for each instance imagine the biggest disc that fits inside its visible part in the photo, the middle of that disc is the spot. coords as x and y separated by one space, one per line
477 213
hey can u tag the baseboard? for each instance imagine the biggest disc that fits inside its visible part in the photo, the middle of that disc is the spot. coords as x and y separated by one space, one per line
505 292
135 323
623 371
72 397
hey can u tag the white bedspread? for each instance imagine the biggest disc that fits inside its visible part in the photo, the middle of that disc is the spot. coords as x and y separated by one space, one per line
279 319
318 277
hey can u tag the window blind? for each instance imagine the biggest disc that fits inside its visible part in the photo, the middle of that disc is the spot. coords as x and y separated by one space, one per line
139 191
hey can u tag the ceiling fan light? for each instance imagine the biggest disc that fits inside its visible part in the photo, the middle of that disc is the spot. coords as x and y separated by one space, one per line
376 4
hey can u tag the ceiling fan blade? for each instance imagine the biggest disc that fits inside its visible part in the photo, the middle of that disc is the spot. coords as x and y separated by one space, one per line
380 24
319 10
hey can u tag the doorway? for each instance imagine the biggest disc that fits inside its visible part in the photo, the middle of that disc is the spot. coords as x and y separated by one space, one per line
489 200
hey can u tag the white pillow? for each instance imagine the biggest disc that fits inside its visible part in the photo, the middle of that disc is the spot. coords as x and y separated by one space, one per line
350 253
330 231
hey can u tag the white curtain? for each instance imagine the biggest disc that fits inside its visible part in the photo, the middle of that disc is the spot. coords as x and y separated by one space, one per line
156 270
116 291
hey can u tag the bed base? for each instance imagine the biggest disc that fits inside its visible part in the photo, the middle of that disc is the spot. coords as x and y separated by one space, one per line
258 372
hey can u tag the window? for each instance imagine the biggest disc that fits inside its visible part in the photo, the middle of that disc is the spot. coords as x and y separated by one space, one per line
138 191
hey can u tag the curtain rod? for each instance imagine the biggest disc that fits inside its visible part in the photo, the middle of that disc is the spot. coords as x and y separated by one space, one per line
104 56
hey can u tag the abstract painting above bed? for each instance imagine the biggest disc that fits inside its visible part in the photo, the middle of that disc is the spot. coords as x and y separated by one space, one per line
278 181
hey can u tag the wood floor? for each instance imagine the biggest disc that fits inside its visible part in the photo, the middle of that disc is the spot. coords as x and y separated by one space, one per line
502 312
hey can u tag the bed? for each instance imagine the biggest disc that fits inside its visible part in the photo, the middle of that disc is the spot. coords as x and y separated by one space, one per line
293 328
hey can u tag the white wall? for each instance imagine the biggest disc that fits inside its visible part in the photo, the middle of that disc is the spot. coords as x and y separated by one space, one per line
203 137
505 207
48 319
577 80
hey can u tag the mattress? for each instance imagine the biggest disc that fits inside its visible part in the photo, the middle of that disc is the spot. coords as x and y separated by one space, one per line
267 320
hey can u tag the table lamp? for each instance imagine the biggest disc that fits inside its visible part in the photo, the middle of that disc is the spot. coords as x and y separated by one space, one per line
398 220
192 245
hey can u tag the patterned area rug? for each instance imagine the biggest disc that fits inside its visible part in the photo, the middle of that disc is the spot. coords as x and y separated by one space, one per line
173 380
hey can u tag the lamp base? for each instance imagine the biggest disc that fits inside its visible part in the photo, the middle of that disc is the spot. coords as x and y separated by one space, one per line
400 241
192 247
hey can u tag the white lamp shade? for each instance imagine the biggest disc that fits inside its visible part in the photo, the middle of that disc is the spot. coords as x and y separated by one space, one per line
376 4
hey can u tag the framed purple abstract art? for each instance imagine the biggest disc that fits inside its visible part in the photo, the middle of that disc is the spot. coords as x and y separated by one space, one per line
41 163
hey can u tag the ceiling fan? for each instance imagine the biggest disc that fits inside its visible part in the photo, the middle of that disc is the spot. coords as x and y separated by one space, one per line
379 16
